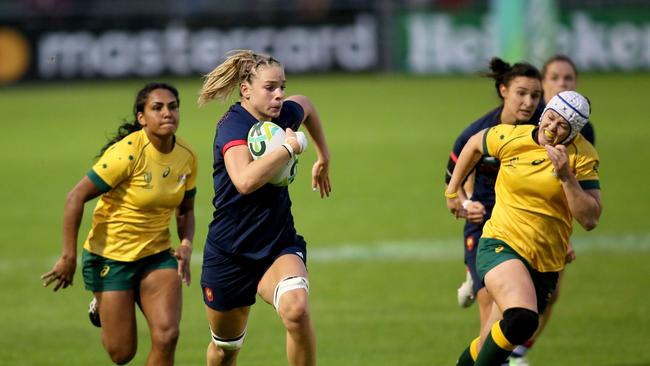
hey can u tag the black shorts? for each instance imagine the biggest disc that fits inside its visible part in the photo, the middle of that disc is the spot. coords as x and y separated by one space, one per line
230 281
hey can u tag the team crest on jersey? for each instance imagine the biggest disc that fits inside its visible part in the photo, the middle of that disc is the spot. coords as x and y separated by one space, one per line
469 243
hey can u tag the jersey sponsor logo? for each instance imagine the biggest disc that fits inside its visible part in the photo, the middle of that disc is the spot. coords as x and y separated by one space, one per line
208 294
538 161
182 178
105 271
498 249
166 172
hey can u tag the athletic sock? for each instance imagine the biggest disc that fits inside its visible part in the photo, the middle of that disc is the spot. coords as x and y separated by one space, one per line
496 348
469 354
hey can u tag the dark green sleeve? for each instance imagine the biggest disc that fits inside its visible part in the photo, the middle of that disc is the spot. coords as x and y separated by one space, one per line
589 184
98 181
485 147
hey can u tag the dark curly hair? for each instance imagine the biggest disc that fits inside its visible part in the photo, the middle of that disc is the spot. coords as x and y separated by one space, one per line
128 127
503 73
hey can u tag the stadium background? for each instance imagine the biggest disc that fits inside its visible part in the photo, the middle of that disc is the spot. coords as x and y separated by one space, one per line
395 82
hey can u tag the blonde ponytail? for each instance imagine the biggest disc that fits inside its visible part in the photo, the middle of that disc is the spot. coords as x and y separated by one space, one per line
239 66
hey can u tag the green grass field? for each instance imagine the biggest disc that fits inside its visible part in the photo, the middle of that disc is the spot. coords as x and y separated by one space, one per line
385 255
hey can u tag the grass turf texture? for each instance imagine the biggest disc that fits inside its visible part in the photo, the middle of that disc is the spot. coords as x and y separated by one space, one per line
386 255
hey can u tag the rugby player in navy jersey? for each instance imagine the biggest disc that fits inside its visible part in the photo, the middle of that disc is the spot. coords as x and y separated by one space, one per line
252 245
520 90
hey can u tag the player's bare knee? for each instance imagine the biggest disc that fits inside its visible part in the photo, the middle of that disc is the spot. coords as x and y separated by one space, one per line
290 300
294 309
121 355
165 338
120 352
219 356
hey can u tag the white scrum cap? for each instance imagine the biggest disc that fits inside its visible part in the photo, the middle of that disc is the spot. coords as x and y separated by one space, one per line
573 107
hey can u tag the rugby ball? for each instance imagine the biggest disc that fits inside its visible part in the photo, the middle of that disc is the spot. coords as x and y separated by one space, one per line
263 138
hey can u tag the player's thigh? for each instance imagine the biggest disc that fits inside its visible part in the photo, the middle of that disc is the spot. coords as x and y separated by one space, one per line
228 324
117 313
505 275
287 265
161 299
510 285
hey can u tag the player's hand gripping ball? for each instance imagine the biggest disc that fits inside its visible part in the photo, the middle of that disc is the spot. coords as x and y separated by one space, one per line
263 138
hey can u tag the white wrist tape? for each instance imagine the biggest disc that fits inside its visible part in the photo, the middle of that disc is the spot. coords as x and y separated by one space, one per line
302 140
289 149
466 204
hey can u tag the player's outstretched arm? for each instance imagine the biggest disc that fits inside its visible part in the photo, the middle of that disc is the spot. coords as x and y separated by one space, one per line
185 224
63 271
467 159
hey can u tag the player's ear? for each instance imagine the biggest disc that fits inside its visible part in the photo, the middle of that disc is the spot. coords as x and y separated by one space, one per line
503 90
245 90
140 118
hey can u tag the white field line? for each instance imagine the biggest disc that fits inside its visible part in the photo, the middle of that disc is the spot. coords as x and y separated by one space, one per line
421 250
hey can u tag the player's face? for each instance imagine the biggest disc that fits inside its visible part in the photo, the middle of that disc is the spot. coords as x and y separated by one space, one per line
520 99
553 128
560 76
161 113
263 97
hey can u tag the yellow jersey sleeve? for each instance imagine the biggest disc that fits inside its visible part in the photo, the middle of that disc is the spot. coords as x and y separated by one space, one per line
115 165
190 178
586 164
498 139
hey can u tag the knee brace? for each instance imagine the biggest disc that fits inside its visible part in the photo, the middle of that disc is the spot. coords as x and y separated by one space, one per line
231 344
288 284
519 324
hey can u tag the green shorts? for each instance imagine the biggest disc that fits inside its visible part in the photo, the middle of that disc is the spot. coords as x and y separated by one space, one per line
492 252
103 274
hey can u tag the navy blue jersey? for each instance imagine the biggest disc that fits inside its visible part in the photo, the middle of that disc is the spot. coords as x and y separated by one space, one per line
487 168
258 224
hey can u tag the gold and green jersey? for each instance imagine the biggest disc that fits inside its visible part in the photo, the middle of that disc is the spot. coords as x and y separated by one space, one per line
142 189
531 213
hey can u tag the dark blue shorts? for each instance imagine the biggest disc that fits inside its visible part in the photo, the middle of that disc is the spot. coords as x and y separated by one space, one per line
472 234
229 281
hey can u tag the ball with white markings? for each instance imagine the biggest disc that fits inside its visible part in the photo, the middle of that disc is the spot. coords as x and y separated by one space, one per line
263 138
